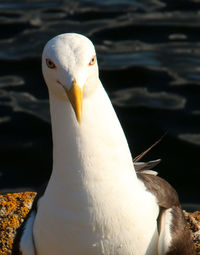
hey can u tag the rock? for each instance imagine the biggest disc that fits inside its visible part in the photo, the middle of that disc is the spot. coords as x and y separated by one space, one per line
13 209
193 222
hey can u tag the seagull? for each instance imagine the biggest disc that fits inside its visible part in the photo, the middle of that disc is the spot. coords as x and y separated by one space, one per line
97 201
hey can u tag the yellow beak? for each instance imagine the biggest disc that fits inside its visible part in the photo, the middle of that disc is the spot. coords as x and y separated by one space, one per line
75 96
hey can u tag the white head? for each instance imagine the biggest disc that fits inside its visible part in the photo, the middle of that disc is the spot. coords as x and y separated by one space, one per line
70 68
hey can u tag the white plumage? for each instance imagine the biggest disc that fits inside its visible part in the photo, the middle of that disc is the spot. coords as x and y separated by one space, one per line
94 203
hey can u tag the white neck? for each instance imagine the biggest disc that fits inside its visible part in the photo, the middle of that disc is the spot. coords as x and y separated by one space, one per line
90 147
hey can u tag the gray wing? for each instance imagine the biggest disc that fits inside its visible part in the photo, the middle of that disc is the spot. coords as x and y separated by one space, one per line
174 235
162 190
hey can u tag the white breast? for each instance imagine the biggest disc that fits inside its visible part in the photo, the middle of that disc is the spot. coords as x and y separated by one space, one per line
107 224
94 203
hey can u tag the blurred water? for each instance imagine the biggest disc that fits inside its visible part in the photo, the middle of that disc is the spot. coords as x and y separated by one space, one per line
148 52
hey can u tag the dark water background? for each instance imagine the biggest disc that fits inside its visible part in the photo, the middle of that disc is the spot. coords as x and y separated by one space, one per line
149 58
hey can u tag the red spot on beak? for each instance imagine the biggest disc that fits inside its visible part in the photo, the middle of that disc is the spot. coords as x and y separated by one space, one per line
58 82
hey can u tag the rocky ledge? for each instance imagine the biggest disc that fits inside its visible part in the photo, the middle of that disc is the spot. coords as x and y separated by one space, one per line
15 207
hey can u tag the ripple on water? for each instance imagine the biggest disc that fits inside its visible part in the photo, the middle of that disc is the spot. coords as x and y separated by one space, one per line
191 138
124 60
136 97
11 80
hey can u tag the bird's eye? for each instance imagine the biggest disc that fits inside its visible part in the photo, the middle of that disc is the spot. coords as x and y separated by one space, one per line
92 61
50 63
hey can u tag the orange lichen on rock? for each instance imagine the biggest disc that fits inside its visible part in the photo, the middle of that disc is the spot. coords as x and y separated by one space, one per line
193 221
13 209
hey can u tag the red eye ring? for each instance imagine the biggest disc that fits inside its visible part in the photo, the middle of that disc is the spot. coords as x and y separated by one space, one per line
50 63
92 61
